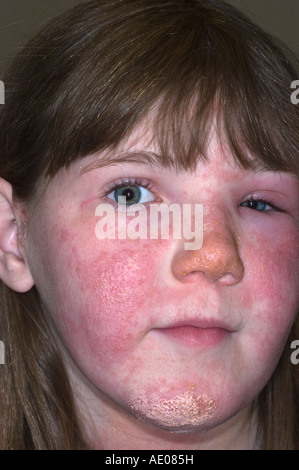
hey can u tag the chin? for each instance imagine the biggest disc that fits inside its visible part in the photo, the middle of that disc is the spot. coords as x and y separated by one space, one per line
185 412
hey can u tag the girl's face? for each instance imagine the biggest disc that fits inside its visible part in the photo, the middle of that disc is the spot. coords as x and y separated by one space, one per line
180 339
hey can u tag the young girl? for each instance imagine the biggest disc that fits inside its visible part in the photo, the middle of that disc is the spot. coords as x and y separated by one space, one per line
123 343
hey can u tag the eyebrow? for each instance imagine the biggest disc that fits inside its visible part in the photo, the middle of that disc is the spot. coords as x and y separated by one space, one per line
140 157
156 161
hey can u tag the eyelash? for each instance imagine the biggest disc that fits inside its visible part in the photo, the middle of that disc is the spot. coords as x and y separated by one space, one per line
264 201
130 182
149 186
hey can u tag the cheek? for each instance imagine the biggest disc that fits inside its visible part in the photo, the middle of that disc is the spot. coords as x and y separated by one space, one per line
274 269
270 288
114 284
103 311
114 278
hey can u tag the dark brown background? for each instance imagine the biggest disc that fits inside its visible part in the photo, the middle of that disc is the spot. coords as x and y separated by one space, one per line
20 19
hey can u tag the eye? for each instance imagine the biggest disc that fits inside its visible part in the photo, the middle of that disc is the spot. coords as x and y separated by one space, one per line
259 205
134 194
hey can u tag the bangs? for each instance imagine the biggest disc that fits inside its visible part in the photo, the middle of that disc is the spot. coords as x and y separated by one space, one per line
179 58
252 115
98 71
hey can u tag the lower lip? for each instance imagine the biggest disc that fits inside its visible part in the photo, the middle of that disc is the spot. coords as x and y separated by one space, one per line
193 336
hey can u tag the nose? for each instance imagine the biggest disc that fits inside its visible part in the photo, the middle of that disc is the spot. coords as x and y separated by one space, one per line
218 259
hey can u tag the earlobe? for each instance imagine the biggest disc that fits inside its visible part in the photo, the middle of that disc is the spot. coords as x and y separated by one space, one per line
14 271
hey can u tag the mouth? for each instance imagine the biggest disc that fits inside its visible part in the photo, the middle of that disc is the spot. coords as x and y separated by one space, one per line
197 334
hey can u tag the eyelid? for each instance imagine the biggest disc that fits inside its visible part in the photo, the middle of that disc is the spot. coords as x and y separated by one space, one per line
265 200
134 181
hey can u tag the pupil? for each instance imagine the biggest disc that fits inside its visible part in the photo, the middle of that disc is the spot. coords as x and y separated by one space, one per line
257 205
131 193
128 193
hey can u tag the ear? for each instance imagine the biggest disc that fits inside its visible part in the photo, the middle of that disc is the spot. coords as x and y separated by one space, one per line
14 271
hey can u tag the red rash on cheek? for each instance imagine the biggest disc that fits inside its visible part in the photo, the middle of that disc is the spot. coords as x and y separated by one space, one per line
270 287
112 282
115 280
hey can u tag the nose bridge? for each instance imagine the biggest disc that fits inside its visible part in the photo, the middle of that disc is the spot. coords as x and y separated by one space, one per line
218 258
